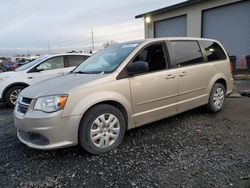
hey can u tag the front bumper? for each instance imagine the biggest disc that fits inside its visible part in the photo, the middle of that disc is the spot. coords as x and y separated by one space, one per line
46 131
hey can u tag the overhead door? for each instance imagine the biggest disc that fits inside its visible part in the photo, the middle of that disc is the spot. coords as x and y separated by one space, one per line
230 25
172 27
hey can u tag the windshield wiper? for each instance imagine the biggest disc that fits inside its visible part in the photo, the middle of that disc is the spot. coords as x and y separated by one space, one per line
83 72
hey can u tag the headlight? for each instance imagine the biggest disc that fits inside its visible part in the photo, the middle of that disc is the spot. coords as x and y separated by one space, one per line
51 103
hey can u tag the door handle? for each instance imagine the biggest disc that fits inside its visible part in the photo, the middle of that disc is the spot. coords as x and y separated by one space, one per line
183 74
170 76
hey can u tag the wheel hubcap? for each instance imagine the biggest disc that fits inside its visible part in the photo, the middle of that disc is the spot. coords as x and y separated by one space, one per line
14 95
105 130
218 98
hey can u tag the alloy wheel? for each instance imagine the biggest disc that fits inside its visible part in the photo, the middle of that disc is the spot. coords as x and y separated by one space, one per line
14 95
218 98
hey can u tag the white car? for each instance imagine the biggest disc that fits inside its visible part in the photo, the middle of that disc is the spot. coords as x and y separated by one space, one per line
46 67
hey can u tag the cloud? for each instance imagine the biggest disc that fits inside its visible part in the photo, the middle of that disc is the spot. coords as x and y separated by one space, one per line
32 24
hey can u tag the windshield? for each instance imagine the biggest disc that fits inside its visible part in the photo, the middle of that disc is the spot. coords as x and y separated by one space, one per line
107 60
30 64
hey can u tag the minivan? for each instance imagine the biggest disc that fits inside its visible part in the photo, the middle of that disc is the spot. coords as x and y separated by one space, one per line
45 67
122 87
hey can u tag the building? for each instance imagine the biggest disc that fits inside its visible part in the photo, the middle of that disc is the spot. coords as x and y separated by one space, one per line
225 20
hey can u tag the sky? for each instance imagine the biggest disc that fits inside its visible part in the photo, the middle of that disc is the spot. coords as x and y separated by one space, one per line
30 26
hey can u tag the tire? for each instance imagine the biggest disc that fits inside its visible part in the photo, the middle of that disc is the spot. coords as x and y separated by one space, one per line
96 135
217 98
9 96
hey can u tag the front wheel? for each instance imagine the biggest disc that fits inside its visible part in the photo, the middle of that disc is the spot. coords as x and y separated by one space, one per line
217 98
12 95
102 129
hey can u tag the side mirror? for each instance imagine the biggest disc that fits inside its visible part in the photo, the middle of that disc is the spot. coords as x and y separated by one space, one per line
39 69
137 67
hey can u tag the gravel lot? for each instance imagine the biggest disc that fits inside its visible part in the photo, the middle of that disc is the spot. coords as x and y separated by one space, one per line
193 149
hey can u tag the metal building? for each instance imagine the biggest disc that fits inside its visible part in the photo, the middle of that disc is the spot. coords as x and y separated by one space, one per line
225 20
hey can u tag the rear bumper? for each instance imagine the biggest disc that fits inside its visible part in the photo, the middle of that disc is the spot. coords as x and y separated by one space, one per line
230 86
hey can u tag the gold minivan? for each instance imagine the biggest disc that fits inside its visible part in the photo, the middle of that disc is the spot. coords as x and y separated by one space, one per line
122 87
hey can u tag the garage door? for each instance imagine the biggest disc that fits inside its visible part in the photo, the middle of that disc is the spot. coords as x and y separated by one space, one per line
230 25
172 27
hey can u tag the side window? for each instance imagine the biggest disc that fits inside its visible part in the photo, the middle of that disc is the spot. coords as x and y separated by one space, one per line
214 52
154 55
186 52
75 60
53 63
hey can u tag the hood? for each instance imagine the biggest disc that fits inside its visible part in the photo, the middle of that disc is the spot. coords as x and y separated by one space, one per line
59 85
9 74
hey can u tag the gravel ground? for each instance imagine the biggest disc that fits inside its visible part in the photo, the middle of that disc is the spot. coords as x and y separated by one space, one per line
193 149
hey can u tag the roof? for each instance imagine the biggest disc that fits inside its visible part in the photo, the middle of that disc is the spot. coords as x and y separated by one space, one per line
64 54
178 38
169 8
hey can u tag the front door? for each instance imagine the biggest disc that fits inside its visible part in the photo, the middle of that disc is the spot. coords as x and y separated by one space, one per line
154 94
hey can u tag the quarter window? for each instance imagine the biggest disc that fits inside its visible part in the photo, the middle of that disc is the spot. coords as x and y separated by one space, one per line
186 52
155 57
75 60
213 50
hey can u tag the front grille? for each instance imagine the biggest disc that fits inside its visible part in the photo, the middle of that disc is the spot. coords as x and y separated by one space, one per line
22 108
26 100
23 105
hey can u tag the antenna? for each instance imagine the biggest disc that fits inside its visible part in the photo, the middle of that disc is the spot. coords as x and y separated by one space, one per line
92 38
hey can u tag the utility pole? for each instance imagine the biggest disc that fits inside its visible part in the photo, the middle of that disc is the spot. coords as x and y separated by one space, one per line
49 47
92 38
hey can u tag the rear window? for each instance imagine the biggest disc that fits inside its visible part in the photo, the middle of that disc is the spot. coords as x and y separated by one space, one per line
186 52
75 60
214 52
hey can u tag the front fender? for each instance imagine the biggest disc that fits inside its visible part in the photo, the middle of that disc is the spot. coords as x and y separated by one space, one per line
99 97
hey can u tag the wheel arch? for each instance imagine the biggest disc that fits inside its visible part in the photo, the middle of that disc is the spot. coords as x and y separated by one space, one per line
13 85
223 82
219 78
114 103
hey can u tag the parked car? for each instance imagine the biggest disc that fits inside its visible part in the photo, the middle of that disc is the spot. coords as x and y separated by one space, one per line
7 64
18 64
120 88
2 69
46 67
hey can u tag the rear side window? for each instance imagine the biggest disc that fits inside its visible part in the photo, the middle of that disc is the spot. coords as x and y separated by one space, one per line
75 60
214 52
186 52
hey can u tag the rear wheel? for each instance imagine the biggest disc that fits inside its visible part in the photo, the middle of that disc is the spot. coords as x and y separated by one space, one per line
12 95
217 98
102 129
